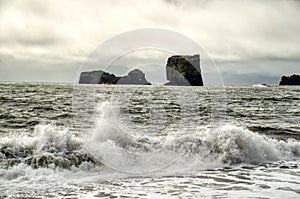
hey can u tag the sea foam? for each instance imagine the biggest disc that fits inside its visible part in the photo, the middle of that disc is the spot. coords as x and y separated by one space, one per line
126 150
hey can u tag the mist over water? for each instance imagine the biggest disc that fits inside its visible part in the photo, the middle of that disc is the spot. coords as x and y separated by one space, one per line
134 140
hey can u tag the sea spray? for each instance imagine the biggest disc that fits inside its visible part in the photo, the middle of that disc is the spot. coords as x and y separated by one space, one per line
48 145
234 144
224 145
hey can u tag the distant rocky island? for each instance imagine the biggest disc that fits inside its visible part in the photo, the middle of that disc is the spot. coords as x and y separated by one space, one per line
135 76
290 80
181 70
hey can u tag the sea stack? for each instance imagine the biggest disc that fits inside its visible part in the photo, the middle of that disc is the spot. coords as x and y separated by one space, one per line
97 77
290 80
135 76
183 70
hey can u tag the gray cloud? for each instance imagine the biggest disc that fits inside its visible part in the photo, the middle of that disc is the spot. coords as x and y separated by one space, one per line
39 39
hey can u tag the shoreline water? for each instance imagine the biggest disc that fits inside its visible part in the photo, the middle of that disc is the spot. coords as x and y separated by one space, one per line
257 149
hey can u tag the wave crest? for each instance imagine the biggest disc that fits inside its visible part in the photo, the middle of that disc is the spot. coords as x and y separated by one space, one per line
109 144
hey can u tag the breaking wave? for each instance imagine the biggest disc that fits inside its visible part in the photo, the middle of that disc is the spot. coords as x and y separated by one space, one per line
108 144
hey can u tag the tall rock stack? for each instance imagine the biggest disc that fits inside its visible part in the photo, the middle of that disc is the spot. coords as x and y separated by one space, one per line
184 71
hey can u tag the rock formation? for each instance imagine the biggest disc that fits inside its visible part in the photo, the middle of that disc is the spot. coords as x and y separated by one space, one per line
181 70
184 71
100 77
134 77
290 80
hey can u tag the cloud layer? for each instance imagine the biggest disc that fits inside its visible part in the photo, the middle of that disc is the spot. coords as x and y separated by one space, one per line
42 38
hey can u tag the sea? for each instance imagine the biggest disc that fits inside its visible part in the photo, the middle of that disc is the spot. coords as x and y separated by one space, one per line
63 140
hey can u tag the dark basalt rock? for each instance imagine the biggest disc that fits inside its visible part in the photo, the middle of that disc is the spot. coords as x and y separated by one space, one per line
100 77
181 70
134 77
290 80
184 71
97 77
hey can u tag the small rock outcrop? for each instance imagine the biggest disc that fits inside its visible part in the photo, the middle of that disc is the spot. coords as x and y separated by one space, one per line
97 77
184 71
135 76
290 80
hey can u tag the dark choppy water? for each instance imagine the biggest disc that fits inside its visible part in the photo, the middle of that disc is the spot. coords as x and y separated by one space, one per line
149 141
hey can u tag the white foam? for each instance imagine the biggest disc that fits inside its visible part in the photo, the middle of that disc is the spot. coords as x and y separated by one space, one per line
182 154
227 144
236 144
126 150
46 137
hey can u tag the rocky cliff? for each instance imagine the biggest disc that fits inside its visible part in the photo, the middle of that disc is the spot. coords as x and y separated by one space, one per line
184 71
290 80
100 77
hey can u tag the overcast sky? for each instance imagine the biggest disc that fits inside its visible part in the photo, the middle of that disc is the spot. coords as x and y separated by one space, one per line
251 41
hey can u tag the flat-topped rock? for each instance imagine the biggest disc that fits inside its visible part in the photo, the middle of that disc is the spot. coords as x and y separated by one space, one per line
135 76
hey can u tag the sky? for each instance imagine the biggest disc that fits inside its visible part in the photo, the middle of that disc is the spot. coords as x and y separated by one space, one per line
251 41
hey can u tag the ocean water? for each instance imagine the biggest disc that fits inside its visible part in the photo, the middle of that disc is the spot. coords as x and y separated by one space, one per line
103 141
